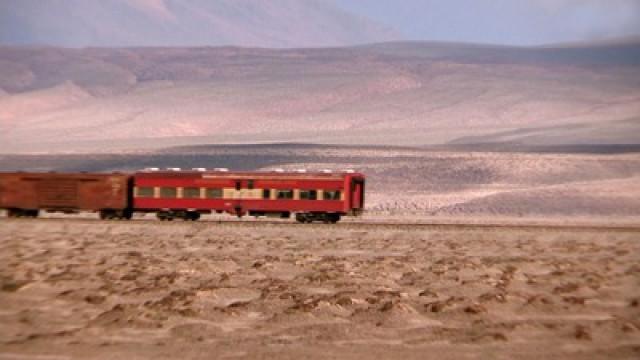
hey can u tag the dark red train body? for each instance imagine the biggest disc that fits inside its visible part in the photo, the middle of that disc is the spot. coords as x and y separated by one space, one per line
311 197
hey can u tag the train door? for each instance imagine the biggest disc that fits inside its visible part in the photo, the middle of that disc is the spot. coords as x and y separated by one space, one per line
57 193
237 198
357 194
244 191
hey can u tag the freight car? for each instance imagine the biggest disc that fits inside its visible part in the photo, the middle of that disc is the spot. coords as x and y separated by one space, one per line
26 194
175 194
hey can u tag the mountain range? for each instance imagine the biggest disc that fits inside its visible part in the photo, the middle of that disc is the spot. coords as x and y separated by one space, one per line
395 93
258 23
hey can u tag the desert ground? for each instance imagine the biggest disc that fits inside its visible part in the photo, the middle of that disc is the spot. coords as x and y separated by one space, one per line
73 288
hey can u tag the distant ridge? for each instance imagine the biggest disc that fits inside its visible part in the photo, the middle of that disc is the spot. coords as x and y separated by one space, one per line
118 23
632 40
383 94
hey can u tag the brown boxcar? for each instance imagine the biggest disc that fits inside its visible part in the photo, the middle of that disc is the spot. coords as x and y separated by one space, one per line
25 194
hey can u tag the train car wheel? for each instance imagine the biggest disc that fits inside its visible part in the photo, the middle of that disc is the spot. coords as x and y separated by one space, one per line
334 218
192 216
127 214
163 215
106 214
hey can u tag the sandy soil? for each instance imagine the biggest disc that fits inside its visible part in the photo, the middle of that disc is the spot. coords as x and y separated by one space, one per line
90 289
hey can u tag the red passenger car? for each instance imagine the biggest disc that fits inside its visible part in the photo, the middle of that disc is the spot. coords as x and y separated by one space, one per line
311 196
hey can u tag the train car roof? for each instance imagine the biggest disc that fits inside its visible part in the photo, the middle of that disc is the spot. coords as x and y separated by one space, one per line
55 174
253 175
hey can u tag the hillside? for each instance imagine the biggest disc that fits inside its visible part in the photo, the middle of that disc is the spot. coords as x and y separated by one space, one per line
274 23
605 133
393 93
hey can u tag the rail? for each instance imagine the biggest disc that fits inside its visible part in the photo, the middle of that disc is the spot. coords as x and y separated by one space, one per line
359 224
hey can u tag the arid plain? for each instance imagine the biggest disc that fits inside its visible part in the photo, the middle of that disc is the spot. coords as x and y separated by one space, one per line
90 289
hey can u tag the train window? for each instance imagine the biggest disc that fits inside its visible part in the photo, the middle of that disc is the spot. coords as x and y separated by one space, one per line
191 193
238 185
285 194
214 193
332 195
266 193
308 195
145 192
250 184
168 192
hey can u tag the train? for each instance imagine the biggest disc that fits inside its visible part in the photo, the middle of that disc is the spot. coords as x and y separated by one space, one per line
174 193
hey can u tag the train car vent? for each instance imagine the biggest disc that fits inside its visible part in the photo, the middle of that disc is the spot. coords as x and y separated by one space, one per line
174 169
199 169
278 170
301 171
349 171
222 169
151 169
327 171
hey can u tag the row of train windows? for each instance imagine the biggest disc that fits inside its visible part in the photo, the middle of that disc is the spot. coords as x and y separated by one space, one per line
209 193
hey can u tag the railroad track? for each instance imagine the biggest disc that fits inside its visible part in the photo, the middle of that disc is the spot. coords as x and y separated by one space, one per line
355 225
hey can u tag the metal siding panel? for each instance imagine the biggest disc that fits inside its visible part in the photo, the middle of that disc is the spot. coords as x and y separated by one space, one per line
301 184
71 191
247 205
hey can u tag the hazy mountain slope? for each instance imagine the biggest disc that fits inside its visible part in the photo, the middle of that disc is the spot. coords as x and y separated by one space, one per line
273 23
601 198
396 93
14 108
614 132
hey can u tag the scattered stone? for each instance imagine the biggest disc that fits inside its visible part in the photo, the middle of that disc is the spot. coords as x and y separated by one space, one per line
387 306
435 307
629 327
428 293
475 309
13 286
94 299
575 300
344 301
582 333
566 288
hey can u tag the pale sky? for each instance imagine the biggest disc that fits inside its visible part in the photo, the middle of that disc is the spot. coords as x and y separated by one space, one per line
313 23
514 22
